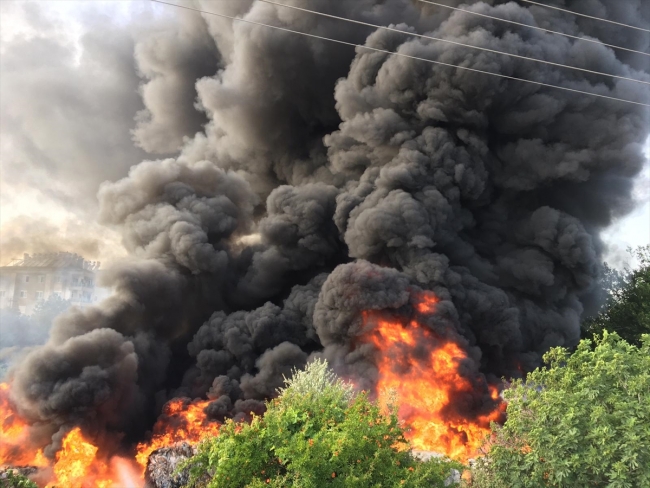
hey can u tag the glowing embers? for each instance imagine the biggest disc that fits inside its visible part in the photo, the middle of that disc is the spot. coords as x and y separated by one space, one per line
14 436
445 404
181 420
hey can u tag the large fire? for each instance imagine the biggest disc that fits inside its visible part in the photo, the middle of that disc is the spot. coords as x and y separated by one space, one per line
80 463
444 410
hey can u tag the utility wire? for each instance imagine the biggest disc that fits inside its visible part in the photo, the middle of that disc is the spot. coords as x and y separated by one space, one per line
586 39
588 16
480 48
539 83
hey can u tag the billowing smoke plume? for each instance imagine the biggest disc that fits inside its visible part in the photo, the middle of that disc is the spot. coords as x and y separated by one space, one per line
329 181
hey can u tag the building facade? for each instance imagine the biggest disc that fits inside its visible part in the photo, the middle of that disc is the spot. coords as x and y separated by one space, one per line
26 282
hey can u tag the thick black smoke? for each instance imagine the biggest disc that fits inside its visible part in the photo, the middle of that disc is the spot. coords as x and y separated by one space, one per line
330 181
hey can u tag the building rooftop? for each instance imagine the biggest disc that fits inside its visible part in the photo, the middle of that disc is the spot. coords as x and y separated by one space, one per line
54 260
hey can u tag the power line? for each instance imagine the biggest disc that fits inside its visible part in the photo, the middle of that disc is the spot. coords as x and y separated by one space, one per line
586 39
480 48
539 83
585 15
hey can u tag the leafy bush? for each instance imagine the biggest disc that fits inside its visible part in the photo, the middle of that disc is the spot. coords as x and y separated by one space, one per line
13 479
627 310
582 422
316 433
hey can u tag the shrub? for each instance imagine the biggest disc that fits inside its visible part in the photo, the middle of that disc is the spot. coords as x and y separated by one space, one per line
584 421
317 432
10 478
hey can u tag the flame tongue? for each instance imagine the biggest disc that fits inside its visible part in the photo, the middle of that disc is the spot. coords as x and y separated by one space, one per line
78 465
444 411
14 436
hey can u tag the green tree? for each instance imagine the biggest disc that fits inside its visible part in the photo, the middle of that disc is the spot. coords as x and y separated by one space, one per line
627 309
316 433
584 421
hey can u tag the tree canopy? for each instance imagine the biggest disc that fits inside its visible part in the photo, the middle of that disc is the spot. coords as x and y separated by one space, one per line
583 421
627 308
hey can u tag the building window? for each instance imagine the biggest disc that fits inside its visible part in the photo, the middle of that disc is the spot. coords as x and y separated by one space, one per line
2 294
57 294
41 279
74 294
26 279
39 295
23 294
75 281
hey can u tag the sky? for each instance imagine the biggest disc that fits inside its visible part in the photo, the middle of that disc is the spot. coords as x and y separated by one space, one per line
66 126
634 229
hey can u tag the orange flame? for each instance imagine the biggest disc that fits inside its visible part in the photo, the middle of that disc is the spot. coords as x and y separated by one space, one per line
181 420
424 370
79 466
14 436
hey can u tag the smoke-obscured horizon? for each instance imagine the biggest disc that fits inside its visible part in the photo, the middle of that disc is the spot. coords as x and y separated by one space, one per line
366 178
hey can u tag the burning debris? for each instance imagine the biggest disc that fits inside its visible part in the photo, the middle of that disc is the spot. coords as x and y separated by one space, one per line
162 466
181 421
424 229
445 402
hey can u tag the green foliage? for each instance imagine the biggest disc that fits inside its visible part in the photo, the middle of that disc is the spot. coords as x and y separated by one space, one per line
584 421
627 310
316 433
13 479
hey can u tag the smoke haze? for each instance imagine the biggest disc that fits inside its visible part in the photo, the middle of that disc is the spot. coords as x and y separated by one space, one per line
366 179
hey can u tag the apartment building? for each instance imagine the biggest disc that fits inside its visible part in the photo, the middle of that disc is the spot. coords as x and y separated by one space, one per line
27 281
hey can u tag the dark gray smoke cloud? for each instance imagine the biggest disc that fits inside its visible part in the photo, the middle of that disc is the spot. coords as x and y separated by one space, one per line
171 58
365 179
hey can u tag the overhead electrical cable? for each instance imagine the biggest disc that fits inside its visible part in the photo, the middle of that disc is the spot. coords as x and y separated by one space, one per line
521 24
464 68
480 48
585 15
